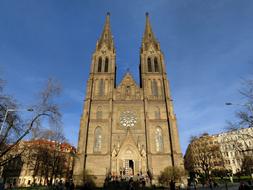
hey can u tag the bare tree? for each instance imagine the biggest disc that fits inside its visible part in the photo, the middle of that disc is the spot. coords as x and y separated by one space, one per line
50 154
15 129
242 129
245 114
57 156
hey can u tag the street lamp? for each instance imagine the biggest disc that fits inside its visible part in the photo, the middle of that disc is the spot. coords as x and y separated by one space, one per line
11 110
250 106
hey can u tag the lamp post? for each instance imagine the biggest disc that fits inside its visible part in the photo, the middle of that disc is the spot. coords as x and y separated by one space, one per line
250 106
6 114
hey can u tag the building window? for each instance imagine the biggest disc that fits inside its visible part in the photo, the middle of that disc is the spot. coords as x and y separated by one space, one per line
158 139
99 113
106 64
99 64
101 87
157 113
156 65
154 88
149 65
98 139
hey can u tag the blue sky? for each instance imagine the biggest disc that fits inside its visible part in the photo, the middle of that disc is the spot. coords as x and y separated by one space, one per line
207 45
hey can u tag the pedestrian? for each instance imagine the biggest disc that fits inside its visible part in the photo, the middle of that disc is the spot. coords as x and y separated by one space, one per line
172 185
243 186
71 185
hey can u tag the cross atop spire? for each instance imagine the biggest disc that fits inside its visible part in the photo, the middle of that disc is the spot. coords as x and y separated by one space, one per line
148 36
106 37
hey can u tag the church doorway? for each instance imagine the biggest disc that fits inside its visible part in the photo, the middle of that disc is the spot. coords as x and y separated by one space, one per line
129 167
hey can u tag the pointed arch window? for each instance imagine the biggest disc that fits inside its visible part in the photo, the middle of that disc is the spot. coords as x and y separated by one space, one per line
156 65
101 87
98 139
154 88
99 113
106 64
99 64
159 139
157 113
149 65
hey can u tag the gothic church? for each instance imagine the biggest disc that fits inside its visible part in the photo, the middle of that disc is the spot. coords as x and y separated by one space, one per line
127 129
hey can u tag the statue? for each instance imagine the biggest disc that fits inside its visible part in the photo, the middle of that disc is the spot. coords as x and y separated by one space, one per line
143 152
114 152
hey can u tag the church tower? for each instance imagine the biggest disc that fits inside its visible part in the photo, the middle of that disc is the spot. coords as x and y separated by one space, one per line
128 129
93 154
165 149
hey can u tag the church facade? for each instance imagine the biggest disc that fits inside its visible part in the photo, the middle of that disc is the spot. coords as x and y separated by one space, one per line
127 129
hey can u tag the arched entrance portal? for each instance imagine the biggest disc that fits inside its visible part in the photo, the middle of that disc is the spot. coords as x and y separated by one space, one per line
128 162
129 159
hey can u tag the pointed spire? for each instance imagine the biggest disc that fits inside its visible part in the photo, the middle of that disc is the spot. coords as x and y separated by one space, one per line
106 37
148 36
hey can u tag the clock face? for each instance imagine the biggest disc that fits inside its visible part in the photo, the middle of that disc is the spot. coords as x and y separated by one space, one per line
128 119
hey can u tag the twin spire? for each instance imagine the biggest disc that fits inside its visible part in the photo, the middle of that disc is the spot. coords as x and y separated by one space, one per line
107 38
148 33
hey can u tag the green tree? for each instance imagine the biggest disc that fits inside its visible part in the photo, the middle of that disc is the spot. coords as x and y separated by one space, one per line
247 165
171 174
203 155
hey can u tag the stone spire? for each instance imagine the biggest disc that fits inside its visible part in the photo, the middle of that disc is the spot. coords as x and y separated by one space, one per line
106 37
149 37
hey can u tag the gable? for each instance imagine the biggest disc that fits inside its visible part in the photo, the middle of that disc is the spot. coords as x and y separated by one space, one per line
128 89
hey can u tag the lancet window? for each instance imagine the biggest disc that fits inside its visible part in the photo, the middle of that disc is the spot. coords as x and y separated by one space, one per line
159 139
106 64
99 113
101 87
156 65
100 64
157 113
98 139
154 88
149 65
